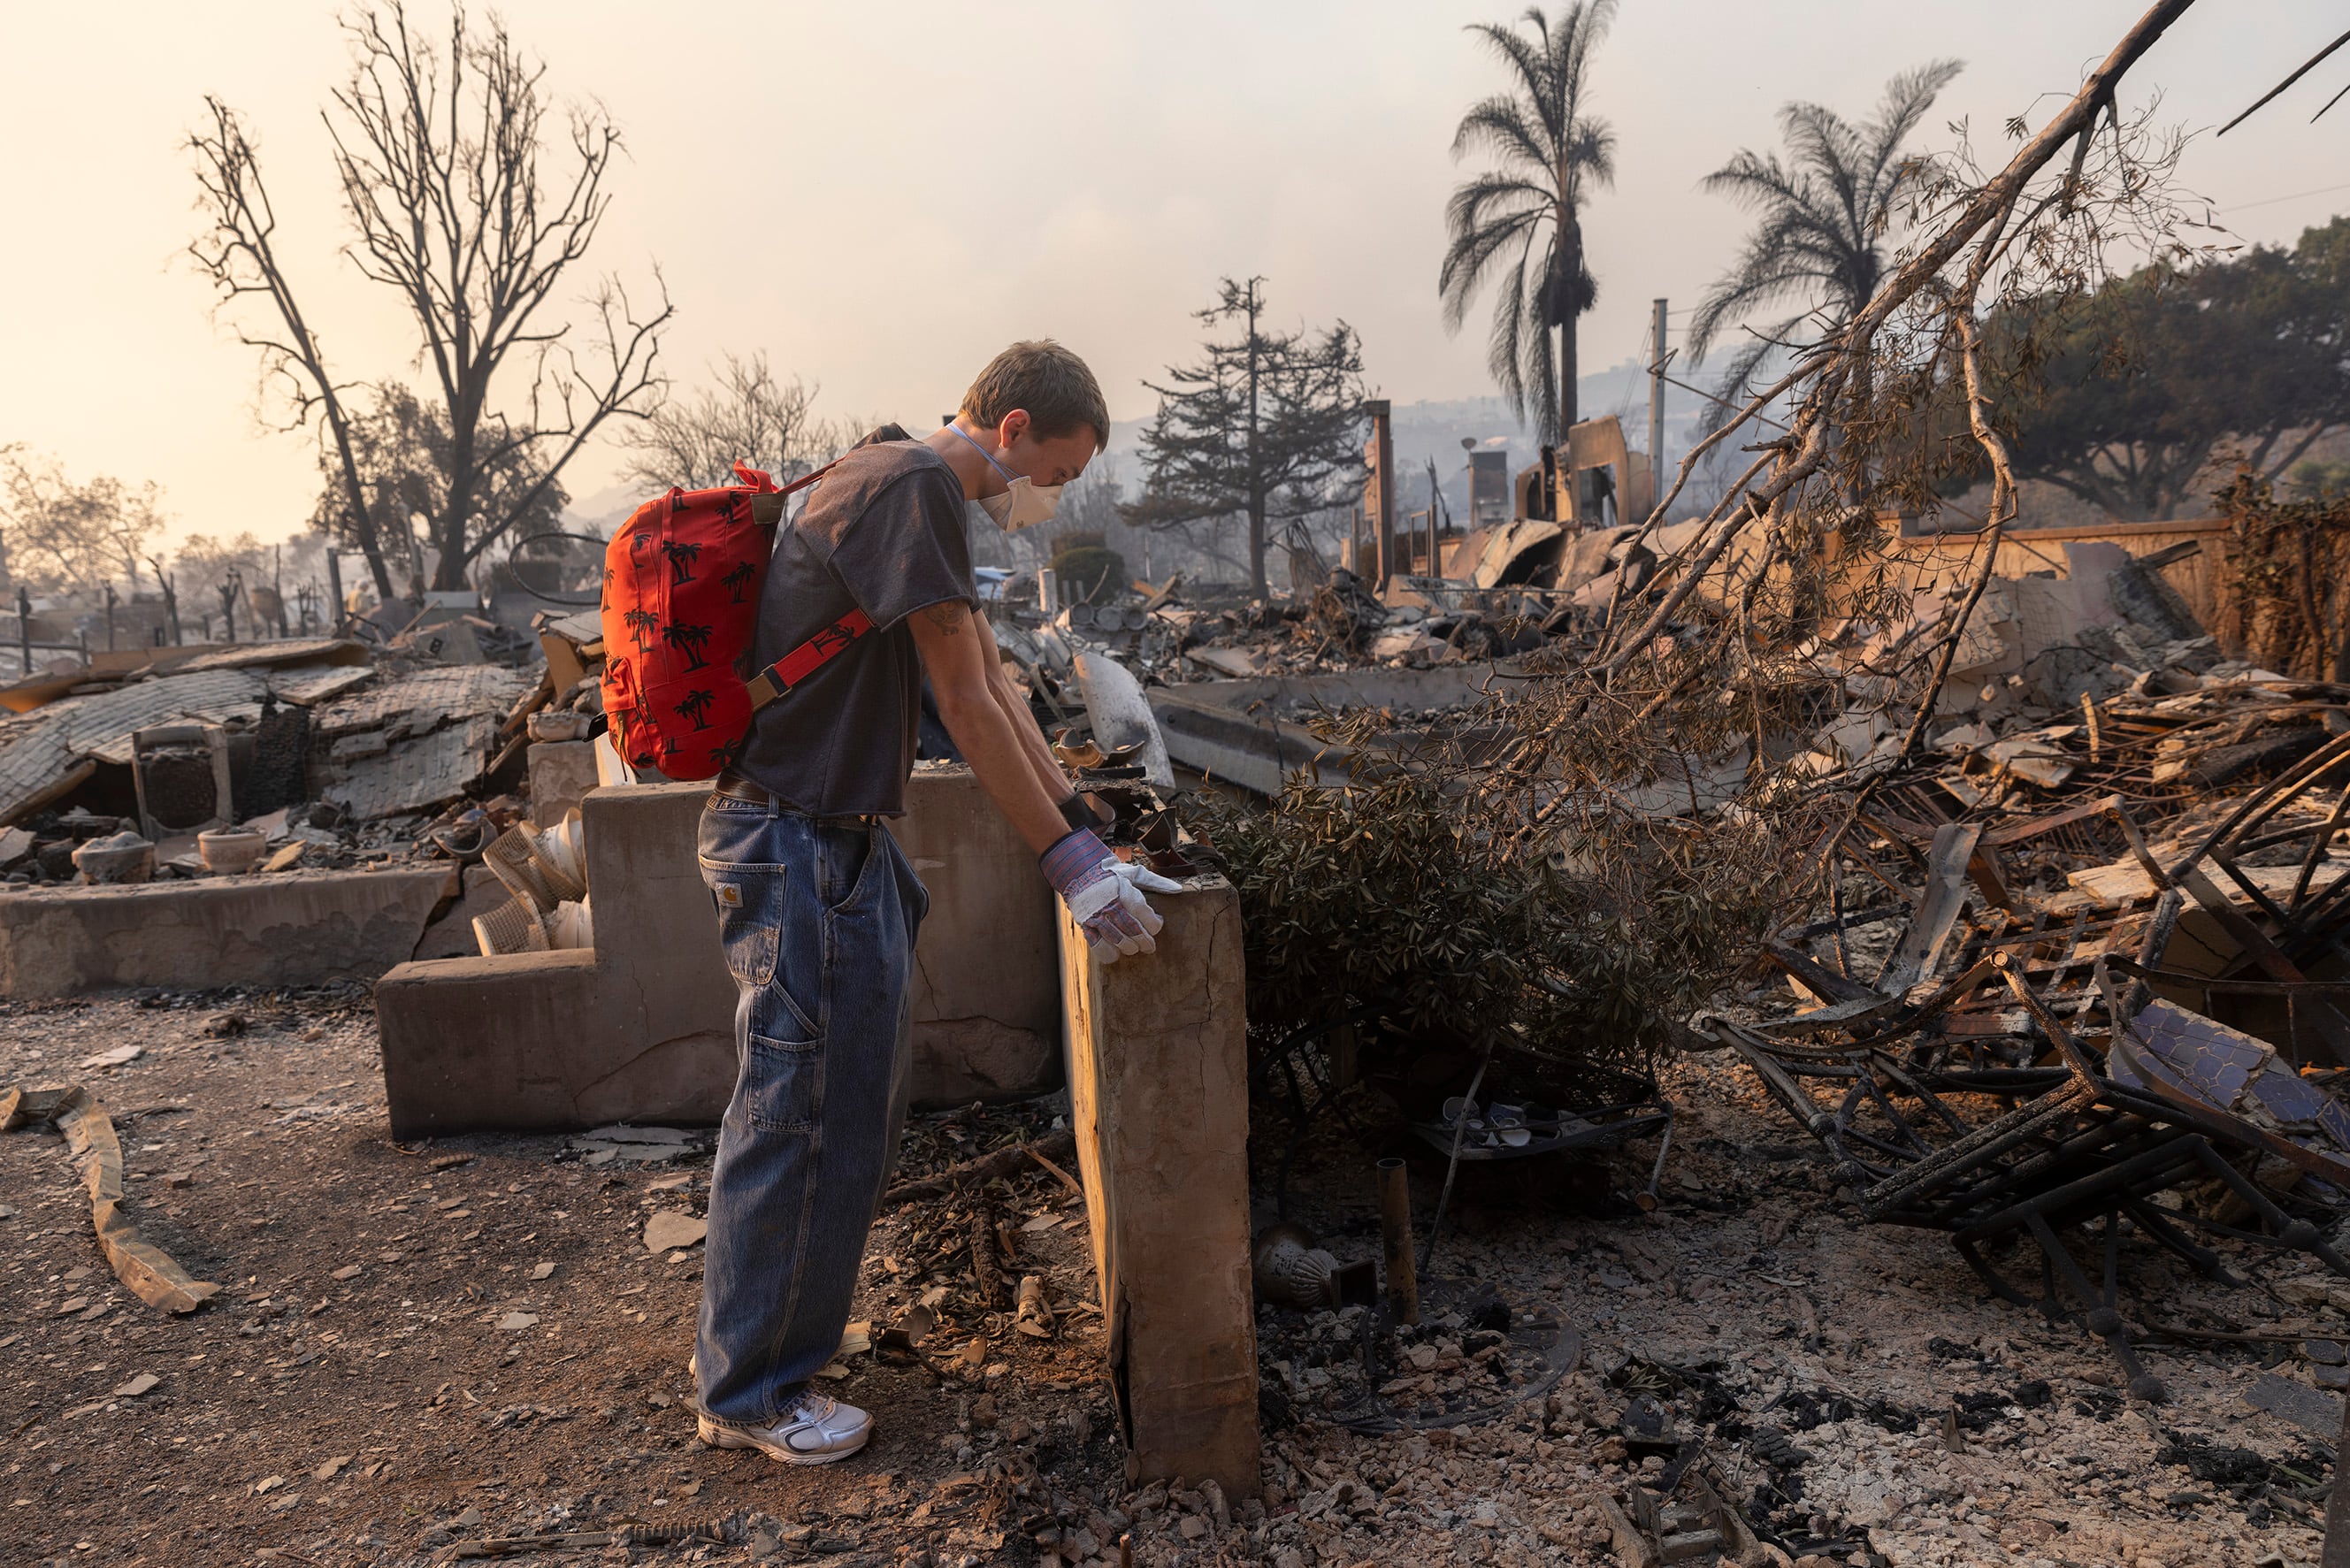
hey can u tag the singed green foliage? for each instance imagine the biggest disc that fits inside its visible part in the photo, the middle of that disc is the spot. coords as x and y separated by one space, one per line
1522 878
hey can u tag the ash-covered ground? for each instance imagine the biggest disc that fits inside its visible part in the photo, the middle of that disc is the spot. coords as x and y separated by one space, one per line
419 1348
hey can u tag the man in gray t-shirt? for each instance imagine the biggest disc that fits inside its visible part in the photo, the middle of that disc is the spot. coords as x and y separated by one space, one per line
885 533
816 907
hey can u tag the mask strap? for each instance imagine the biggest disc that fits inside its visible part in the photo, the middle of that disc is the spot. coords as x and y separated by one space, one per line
1008 475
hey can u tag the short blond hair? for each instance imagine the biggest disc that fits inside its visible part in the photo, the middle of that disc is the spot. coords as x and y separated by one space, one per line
1050 382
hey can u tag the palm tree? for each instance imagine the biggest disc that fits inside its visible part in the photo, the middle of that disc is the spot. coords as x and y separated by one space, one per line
1823 217
1521 225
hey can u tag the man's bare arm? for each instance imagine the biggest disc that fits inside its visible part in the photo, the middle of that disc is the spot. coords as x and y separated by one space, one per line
958 654
1024 722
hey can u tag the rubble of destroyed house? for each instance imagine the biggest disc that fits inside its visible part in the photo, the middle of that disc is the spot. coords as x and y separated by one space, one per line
401 738
2076 1000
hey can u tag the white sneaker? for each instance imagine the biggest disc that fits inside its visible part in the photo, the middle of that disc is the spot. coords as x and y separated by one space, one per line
815 1431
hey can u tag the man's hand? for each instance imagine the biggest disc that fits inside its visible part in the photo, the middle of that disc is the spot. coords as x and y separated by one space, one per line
1102 897
958 655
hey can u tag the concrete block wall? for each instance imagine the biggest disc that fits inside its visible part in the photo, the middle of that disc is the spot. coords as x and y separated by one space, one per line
306 928
561 774
641 1029
987 989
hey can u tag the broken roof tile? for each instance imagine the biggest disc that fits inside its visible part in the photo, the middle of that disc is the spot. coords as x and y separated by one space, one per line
434 695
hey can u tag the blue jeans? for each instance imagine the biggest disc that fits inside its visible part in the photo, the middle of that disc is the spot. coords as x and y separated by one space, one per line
818 919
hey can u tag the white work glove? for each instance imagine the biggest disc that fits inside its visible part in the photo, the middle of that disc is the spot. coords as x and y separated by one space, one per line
1102 895
1078 813
1144 879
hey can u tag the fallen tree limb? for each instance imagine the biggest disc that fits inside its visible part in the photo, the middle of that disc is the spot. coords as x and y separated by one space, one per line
985 1168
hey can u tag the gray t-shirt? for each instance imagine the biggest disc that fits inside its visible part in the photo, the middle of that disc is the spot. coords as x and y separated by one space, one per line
883 532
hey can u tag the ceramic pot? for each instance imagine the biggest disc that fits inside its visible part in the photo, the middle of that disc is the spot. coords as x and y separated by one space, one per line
229 850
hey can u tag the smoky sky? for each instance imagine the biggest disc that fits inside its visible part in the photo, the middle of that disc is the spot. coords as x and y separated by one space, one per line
879 198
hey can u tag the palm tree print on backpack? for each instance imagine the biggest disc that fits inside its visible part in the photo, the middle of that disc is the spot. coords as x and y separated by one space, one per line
688 640
682 555
695 705
641 622
738 580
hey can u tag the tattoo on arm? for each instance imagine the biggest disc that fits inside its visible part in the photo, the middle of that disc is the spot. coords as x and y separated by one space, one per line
948 619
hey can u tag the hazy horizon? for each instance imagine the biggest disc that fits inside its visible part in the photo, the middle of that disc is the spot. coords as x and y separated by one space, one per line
879 208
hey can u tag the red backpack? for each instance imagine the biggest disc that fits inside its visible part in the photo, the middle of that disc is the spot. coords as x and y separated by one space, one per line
681 607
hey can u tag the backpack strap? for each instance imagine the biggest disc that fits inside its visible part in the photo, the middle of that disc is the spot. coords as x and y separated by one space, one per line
810 655
767 497
819 650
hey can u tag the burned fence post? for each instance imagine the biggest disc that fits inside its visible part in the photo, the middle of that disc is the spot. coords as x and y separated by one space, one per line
1157 1055
2336 1552
1395 1232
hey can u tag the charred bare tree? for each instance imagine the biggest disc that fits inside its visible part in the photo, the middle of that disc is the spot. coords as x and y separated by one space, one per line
439 156
748 415
239 255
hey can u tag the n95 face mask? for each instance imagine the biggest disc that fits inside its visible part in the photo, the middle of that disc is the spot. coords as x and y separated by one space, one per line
1024 504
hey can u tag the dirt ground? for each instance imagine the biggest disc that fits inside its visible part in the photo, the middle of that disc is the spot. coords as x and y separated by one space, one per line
415 1349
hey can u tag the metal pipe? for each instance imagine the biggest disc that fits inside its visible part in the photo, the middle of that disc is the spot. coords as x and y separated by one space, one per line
1656 425
1452 1161
1395 1230
1646 1201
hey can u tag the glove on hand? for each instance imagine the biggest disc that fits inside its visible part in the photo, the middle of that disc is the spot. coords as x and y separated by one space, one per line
1145 879
1106 904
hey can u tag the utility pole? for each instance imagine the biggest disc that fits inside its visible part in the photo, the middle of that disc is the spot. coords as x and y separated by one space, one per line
1255 462
1440 517
1657 410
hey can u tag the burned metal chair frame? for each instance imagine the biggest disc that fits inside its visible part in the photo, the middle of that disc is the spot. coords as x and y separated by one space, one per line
2311 922
2083 1150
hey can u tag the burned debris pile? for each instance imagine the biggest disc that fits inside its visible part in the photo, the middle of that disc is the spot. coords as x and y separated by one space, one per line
2102 1007
355 751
